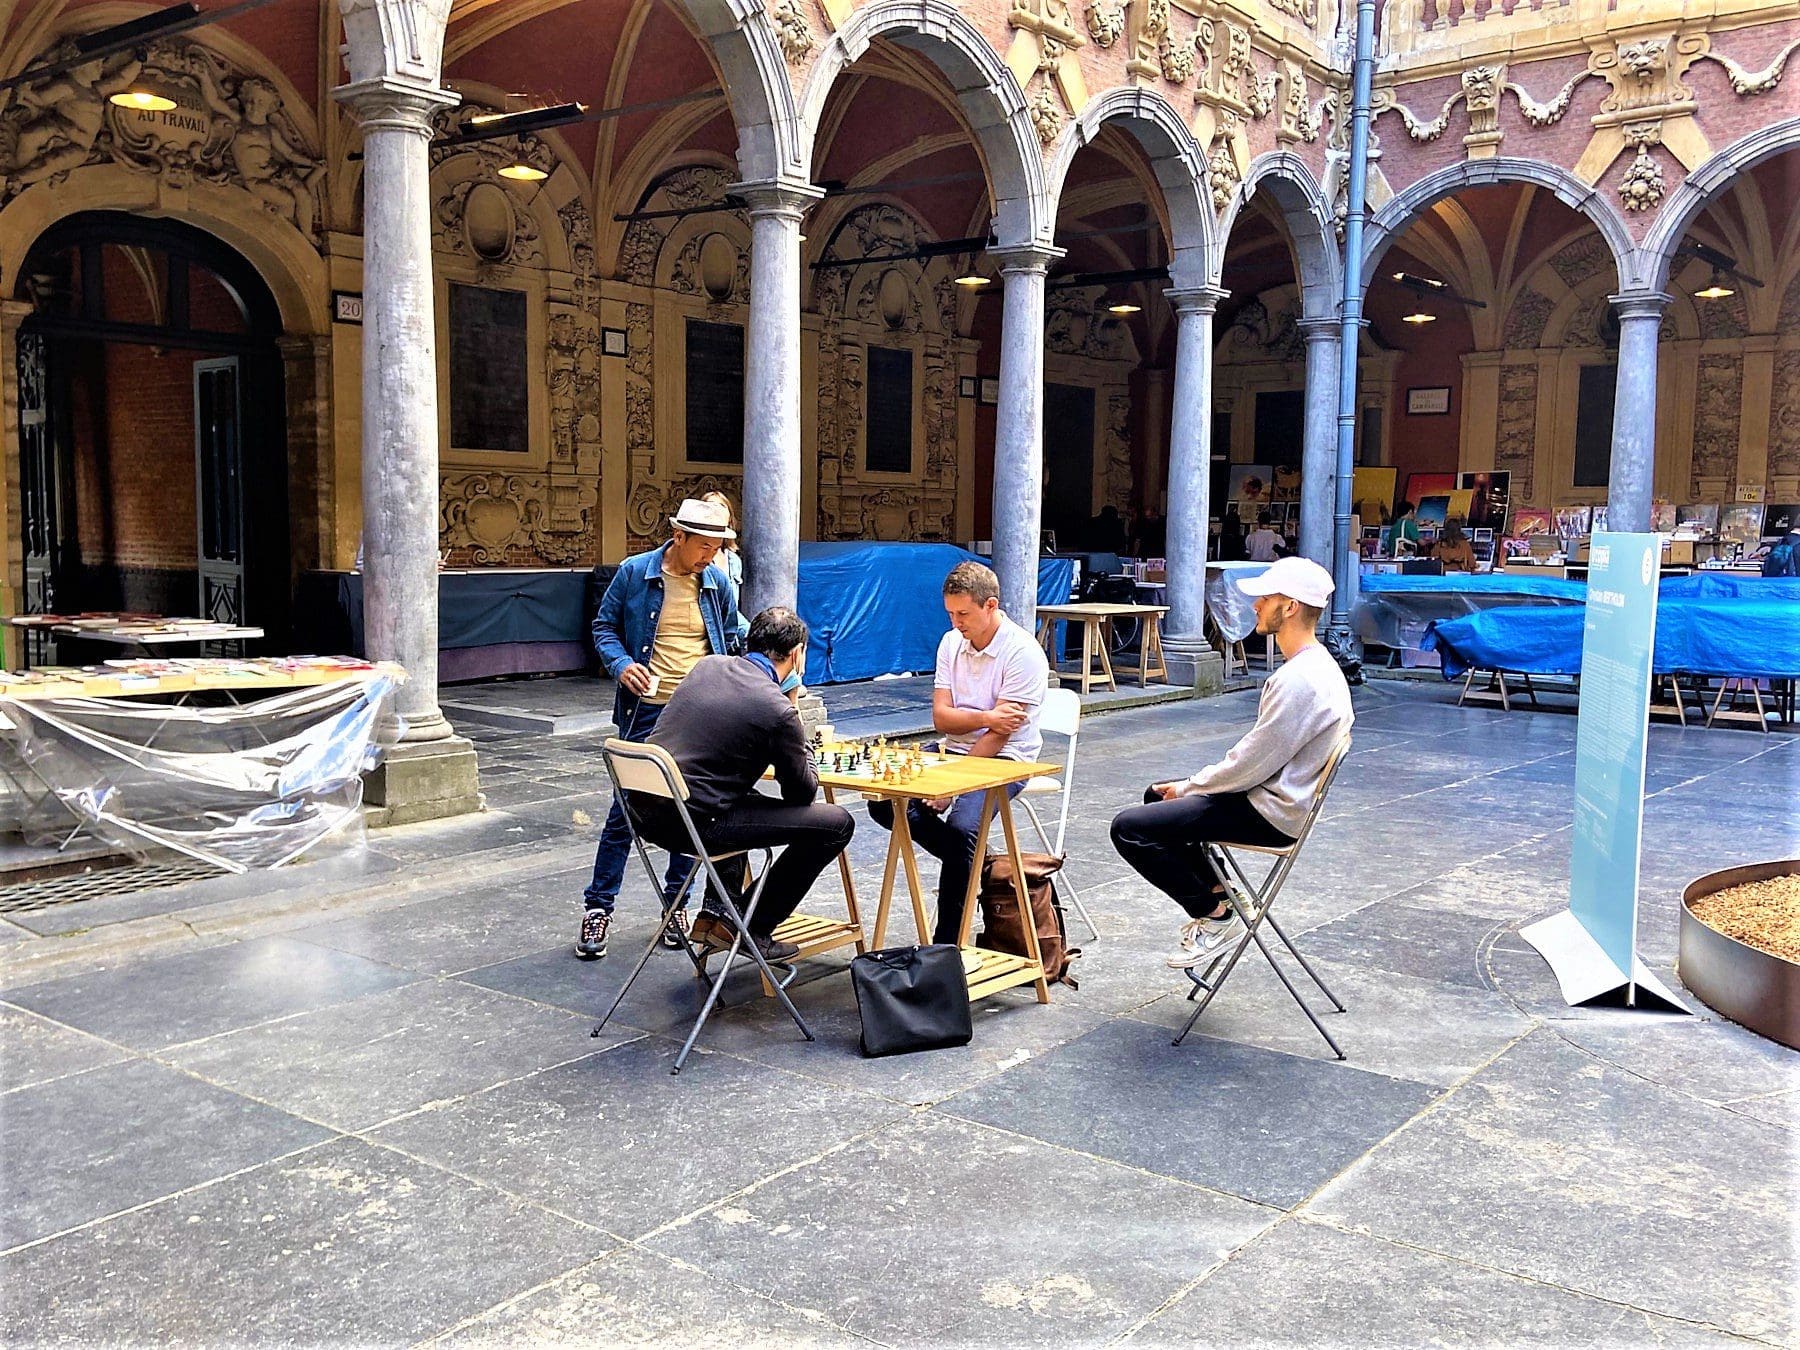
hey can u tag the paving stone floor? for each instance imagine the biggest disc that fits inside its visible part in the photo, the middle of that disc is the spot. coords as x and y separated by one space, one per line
387 1123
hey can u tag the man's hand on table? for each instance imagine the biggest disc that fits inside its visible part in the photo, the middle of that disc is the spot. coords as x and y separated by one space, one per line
636 678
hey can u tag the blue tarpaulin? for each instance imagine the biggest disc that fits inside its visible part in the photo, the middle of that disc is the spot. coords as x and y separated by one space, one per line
1699 635
878 609
1486 583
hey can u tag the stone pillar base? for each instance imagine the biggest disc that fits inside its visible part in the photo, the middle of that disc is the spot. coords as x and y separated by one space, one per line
1194 664
424 780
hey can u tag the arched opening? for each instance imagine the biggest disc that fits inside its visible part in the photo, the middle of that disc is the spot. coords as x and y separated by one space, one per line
152 431
1492 301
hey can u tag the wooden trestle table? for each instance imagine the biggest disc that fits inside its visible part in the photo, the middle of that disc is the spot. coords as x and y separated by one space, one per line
951 777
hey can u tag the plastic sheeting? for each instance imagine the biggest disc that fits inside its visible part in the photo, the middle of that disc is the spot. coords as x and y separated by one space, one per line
1233 612
878 609
249 786
1699 636
1396 611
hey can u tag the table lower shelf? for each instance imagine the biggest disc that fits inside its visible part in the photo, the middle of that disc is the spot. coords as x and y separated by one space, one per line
814 933
999 970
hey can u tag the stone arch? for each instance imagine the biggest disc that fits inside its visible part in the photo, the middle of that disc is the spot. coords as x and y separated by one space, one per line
1699 189
1307 216
284 258
754 75
986 90
1176 159
1387 224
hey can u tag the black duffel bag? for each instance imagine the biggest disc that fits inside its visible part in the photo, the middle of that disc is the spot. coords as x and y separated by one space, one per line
912 998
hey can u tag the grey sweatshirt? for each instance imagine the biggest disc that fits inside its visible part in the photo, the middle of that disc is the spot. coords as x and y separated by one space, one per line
1304 712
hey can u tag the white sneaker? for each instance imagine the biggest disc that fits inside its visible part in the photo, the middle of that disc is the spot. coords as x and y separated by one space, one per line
1201 940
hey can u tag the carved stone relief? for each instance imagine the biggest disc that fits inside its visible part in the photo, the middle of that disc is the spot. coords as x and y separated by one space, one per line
1718 404
791 29
1725 317
1116 445
916 304
1580 259
493 517
1076 323
1515 445
229 127
1106 22
1784 417
1525 320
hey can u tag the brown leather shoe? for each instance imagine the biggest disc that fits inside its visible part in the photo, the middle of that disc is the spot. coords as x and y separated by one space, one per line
710 934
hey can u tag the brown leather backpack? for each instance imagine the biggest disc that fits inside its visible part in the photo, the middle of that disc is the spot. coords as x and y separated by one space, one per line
1001 929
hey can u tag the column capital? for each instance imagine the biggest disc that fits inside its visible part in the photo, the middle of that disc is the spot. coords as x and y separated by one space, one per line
1025 257
1640 304
1195 299
777 196
389 104
1320 328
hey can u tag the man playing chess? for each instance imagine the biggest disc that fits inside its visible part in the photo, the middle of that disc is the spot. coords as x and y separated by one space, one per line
991 680
730 719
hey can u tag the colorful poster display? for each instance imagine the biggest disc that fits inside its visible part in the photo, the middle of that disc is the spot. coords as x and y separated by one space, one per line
1593 945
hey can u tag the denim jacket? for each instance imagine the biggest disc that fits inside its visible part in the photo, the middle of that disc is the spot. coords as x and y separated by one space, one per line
625 626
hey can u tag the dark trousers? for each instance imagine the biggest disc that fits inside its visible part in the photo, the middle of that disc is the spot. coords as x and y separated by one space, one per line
1163 842
950 838
813 836
615 839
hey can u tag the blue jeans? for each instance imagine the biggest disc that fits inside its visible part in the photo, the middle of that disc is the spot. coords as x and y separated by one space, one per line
950 838
615 840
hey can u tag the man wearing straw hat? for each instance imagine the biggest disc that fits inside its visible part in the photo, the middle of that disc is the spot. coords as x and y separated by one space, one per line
663 611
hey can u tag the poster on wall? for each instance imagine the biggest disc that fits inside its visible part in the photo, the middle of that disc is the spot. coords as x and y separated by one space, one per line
1741 524
1419 486
1373 494
1286 486
1701 518
1434 508
1529 520
1572 521
1662 517
1781 518
1250 487
1490 493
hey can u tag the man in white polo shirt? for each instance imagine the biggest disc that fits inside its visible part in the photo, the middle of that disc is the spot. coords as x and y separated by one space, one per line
991 681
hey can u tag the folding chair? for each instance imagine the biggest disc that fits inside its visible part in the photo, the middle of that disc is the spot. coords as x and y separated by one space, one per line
1253 901
637 766
1061 715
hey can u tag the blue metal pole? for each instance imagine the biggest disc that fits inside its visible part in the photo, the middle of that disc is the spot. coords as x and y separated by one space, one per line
1362 79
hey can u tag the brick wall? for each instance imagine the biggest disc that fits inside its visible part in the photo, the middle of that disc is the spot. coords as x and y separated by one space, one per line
135 458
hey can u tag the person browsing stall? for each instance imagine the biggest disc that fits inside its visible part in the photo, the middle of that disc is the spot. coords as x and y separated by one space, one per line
991 680
663 612
732 718
1263 542
1261 792
1453 550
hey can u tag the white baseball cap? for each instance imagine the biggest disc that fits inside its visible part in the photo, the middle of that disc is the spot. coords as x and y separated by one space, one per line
1299 579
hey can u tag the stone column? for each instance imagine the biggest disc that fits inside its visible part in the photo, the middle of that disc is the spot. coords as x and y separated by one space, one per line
1318 457
771 506
1632 480
427 770
1019 429
1190 657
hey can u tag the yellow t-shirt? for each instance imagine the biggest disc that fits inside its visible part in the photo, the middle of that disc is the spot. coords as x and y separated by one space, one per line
680 635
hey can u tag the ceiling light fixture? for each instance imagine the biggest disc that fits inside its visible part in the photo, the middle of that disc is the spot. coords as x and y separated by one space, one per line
1716 289
1124 307
1420 317
521 172
142 100
972 279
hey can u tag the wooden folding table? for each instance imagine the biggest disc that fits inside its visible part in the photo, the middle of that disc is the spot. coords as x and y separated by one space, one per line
1096 620
950 777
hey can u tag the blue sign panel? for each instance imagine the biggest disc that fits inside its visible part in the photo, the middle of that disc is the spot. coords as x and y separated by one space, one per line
1618 639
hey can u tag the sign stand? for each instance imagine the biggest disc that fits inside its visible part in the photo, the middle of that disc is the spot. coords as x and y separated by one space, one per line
1592 945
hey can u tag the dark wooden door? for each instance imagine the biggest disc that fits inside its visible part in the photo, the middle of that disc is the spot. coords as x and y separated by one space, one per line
1069 462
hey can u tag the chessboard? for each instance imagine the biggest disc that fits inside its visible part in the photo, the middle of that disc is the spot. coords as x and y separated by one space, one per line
875 761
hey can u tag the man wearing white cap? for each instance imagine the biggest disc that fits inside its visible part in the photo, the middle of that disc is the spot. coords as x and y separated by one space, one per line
662 612
1261 791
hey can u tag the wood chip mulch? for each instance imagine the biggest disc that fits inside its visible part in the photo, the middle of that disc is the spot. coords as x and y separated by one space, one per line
1760 914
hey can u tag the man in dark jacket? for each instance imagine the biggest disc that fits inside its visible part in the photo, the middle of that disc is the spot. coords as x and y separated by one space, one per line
732 718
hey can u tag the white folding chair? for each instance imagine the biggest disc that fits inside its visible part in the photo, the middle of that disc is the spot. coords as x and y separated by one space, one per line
1253 901
1061 716
637 766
